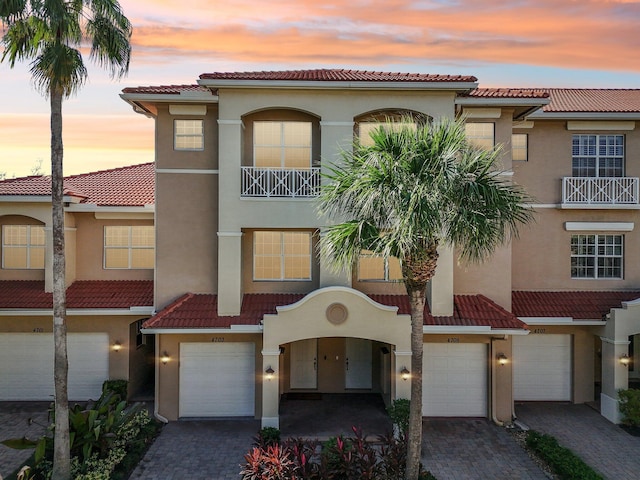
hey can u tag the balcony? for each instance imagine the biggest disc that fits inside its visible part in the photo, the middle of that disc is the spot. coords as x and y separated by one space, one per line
600 192
280 182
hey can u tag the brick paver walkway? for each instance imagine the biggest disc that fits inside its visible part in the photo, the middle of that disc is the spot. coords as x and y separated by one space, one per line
474 449
604 446
14 423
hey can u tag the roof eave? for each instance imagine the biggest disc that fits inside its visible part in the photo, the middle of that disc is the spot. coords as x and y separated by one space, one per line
541 115
73 199
92 207
335 85
35 312
180 331
501 102
472 330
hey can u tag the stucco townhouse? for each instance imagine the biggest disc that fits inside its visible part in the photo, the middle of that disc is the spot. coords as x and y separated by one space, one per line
243 311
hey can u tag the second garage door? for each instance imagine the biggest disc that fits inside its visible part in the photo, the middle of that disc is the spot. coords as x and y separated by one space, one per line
217 379
542 367
454 380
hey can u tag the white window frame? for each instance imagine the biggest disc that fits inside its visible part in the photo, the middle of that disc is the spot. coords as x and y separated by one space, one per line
603 248
385 266
282 257
191 135
601 153
28 247
281 144
519 147
481 139
129 247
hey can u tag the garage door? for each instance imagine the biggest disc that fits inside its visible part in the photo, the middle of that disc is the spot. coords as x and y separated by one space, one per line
26 365
217 379
454 380
542 367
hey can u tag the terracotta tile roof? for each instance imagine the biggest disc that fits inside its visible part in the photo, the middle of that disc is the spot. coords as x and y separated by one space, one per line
200 311
593 100
336 75
584 305
507 93
166 89
94 294
123 187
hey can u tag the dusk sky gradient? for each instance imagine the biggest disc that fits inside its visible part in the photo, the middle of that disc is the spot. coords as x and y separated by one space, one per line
505 43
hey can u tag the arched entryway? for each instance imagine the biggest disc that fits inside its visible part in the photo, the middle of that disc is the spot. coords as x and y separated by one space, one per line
339 318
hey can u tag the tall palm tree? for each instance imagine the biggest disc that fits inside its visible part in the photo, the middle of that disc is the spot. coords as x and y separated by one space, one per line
50 35
418 186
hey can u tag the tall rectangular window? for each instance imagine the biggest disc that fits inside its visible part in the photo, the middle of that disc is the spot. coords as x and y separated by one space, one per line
188 134
129 247
598 156
596 256
281 255
23 247
282 144
372 267
519 147
480 134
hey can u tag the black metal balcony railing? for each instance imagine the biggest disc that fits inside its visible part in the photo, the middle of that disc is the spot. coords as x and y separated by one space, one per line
280 182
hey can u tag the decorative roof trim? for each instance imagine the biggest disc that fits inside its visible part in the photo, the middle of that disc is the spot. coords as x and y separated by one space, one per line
340 84
561 321
471 330
74 312
541 115
234 329
326 290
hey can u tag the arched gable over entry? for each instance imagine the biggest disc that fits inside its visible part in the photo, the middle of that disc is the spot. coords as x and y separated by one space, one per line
331 312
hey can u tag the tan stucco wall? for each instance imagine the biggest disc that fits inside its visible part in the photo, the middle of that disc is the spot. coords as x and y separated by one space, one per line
186 241
168 377
90 250
117 327
542 254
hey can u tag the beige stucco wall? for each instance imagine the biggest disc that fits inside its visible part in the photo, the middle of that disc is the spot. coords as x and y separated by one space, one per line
542 254
117 327
90 250
168 376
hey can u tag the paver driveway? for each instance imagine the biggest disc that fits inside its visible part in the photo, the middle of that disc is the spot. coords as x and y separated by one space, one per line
604 446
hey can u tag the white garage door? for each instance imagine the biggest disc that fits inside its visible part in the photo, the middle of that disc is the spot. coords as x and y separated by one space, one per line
542 367
217 379
26 365
454 380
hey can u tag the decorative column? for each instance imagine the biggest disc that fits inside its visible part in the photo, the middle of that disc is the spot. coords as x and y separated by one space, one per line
270 388
402 381
615 376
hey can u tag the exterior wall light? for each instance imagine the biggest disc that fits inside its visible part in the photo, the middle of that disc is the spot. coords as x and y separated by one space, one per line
405 374
502 359
165 358
625 359
269 373
117 346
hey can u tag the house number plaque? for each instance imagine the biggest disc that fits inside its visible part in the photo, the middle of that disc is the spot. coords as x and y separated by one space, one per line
217 339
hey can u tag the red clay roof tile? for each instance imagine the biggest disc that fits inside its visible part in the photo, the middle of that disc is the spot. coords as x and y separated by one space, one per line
583 305
336 75
507 93
94 294
166 89
123 187
200 311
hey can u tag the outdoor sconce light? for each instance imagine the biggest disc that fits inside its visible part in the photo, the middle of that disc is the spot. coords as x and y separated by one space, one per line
117 346
165 358
625 360
269 371
502 359
405 374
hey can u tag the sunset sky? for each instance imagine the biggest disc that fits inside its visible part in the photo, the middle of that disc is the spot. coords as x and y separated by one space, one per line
505 43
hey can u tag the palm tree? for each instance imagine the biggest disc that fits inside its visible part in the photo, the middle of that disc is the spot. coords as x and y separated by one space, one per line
420 185
50 34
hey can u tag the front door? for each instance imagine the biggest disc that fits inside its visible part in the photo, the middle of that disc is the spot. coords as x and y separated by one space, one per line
358 363
304 363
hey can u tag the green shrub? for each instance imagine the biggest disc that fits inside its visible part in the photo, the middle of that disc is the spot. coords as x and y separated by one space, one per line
566 464
267 436
119 387
630 406
399 413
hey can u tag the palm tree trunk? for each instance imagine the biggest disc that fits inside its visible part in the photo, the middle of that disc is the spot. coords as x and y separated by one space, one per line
61 452
414 436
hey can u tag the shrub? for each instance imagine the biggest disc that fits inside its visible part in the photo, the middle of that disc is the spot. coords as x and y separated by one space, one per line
267 436
119 387
270 463
399 413
566 464
630 406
